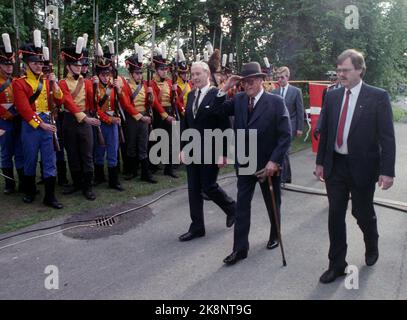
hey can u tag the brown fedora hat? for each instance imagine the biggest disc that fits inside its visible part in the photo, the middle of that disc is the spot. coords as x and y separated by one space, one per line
252 69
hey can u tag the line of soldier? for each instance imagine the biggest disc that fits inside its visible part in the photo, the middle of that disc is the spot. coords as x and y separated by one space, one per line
88 107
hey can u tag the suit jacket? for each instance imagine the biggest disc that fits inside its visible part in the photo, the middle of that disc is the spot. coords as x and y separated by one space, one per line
371 141
271 120
295 105
205 119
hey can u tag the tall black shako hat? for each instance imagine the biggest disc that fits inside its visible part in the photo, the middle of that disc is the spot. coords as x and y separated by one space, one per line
135 61
73 55
32 52
103 61
160 57
6 50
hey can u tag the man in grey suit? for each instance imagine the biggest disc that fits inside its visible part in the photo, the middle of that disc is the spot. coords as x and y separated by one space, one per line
294 103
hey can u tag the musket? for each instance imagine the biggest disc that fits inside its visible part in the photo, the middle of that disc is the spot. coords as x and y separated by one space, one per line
52 108
149 73
118 111
17 29
175 76
99 135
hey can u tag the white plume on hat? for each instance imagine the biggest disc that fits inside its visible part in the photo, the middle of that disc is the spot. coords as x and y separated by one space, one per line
224 59
136 47
140 54
79 45
209 48
198 57
100 50
111 47
6 42
206 56
230 57
45 53
164 51
85 40
37 38
266 62
181 57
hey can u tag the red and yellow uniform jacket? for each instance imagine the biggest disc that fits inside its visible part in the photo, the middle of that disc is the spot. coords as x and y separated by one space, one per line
183 88
107 110
6 101
78 96
139 104
163 92
24 88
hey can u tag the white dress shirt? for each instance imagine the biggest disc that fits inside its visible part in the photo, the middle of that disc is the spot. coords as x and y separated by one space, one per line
285 90
204 91
257 98
353 98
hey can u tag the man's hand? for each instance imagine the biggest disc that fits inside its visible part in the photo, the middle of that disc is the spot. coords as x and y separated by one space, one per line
117 85
271 168
299 133
174 87
146 119
319 172
222 161
385 182
48 127
116 120
52 77
95 79
316 134
231 82
2 132
170 119
92 121
182 157
150 90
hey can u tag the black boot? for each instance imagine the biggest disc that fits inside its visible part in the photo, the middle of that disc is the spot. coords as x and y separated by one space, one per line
145 172
9 185
114 179
20 173
87 186
169 171
49 199
61 170
76 183
30 189
132 169
99 174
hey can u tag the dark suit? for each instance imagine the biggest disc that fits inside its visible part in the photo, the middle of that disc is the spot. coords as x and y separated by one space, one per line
371 152
202 177
271 120
295 105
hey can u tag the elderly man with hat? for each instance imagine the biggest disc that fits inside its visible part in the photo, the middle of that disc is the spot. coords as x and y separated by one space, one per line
78 133
135 99
10 121
32 100
266 114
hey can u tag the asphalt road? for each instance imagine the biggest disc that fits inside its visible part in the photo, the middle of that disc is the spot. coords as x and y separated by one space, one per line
145 260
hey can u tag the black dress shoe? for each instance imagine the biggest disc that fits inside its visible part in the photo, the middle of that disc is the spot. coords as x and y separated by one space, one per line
191 235
28 198
89 194
272 244
53 204
230 220
234 257
371 257
330 275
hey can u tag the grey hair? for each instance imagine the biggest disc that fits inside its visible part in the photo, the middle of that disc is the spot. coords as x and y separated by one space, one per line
202 65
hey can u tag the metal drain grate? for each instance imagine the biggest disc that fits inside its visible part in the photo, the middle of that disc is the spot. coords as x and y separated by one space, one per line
105 221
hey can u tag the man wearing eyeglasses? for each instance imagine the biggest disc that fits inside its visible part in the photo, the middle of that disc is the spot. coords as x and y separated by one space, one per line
293 100
356 150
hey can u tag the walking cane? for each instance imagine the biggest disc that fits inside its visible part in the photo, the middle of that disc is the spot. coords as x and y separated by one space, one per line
276 215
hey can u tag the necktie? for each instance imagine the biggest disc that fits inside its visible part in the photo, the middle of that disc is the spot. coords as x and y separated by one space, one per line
342 120
196 104
282 92
250 106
